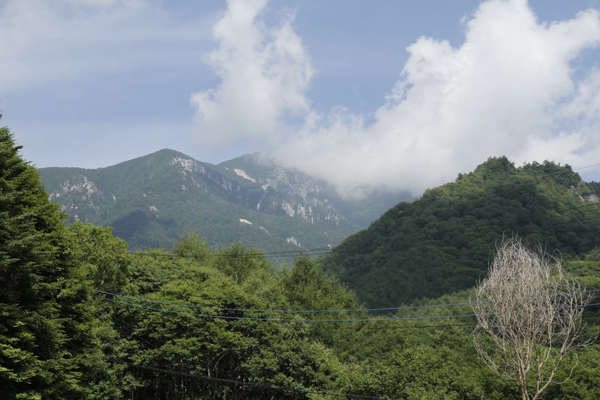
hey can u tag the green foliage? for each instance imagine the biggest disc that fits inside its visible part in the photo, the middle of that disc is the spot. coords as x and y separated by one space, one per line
583 385
47 344
593 255
442 243
191 244
232 278
101 258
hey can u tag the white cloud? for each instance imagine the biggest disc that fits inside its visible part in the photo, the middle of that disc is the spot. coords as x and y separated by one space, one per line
509 89
265 73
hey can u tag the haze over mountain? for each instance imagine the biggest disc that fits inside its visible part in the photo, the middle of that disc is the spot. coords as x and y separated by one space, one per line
152 200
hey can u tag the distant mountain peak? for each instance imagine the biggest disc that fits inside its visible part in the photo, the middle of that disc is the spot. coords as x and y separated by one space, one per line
152 200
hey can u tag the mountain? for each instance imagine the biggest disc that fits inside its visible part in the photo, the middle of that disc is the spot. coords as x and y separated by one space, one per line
442 242
301 188
150 201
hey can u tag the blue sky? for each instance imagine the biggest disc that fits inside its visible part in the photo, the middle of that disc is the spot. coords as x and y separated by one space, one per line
399 93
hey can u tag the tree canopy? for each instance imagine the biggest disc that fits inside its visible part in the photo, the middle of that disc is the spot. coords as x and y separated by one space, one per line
47 344
443 242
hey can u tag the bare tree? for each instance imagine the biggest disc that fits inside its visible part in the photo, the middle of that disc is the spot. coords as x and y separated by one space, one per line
529 317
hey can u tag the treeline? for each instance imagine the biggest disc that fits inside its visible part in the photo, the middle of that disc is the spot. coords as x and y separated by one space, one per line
443 242
83 318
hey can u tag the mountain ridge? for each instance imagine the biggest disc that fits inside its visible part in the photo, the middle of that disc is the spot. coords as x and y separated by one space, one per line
151 200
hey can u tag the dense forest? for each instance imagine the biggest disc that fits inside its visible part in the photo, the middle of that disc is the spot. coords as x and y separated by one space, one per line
443 242
81 317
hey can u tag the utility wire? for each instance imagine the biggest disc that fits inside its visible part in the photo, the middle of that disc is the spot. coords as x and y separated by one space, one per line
254 384
278 311
302 320
281 319
401 327
357 328
304 311
130 333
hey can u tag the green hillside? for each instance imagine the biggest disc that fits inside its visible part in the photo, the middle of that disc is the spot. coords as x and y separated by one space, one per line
442 242
152 200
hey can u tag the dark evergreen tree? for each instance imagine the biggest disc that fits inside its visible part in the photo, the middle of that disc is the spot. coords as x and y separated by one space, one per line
46 344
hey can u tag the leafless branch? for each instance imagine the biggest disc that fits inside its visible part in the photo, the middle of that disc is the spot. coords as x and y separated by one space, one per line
529 314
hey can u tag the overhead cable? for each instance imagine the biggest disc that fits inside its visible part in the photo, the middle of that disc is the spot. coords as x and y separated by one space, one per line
254 384
303 311
302 320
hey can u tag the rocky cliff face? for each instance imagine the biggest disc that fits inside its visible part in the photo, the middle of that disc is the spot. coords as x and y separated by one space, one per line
285 190
267 187
79 196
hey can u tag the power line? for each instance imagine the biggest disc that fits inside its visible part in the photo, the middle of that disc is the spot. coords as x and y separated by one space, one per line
338 327
302 320
304 311
278 311
280 319
357 328
254 384
399 327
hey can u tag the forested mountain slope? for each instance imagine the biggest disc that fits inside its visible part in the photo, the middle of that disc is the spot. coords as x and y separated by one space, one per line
152 200
442 242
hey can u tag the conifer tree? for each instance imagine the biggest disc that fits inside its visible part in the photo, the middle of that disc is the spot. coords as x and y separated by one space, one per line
46 339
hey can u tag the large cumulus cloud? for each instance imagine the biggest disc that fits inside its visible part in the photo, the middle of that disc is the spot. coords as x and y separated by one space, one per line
510 89
265 73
